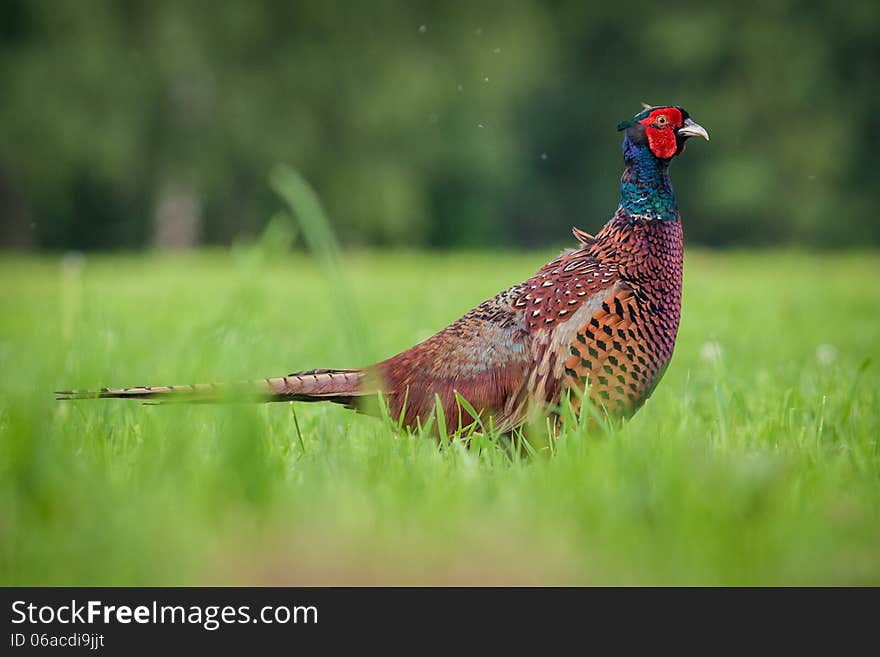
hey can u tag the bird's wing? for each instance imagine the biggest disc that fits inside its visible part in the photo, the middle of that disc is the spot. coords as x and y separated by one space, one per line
483 356
563 287
506 353
557 302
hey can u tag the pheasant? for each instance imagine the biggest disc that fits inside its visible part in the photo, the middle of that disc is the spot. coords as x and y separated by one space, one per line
600 320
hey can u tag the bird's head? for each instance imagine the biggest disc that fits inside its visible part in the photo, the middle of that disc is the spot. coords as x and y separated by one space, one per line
665 129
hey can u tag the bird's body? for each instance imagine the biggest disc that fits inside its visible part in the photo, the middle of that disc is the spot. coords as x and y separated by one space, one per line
602 317
605 314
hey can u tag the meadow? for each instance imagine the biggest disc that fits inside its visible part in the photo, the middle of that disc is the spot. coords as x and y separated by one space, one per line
755 462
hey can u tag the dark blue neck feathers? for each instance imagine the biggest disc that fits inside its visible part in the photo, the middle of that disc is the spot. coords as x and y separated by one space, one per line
645 190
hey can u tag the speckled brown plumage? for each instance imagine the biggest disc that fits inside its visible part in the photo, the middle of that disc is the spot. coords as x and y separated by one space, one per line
593 316
602 317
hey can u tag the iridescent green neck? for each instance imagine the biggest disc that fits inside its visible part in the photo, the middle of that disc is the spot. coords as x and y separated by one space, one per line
645 190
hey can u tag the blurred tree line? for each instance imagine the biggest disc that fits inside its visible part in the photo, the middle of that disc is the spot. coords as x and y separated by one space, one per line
125 124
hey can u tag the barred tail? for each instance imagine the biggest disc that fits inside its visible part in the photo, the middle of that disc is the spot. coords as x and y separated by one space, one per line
340 386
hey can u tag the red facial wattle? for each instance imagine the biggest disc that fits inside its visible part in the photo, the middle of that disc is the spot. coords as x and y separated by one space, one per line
660 127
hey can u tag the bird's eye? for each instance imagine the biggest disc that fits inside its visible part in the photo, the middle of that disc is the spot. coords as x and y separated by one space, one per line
661 120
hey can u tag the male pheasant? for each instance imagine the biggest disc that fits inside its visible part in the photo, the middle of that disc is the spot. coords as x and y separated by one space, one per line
602 317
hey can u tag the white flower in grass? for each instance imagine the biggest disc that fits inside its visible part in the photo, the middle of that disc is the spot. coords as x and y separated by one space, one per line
72 264
711 352
826 354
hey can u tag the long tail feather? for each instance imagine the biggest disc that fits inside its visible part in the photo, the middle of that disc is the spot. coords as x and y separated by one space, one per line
339 386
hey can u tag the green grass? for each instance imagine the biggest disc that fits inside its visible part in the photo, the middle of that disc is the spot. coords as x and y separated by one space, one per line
755 462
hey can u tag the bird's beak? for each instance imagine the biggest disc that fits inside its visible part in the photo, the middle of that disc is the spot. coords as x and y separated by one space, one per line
693 129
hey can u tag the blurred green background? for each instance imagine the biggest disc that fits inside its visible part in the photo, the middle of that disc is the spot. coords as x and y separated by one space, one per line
126 125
